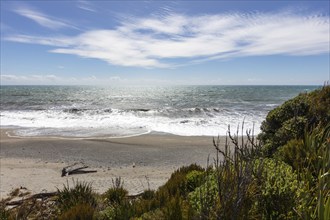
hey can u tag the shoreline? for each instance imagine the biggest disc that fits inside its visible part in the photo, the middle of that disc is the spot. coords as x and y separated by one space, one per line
9 133
141 161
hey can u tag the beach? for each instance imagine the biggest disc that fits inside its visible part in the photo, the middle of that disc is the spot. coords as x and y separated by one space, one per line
141 134
142 162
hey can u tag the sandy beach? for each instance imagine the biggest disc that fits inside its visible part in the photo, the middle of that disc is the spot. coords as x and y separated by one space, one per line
142 162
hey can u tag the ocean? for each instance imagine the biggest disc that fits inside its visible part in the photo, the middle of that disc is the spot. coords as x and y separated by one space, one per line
90 111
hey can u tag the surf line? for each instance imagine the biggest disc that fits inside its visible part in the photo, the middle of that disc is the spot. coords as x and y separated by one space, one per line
8 133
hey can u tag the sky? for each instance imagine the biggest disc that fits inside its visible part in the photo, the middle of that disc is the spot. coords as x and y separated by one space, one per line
165 42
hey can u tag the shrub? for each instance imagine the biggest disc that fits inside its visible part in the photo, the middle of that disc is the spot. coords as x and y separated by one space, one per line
228 190
121 211
245 185
116 195
177 184
290 120
304 155
148 194
319 109
319 170
4 213
280 192
293 153
323 186
119 205
78 212
169 198
156 214
205 196
173 209
194 179
80 193
270 191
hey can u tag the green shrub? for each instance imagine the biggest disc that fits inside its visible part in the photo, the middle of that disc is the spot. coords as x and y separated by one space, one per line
319 109
80 193
280 192
173 210
121 211
144 205
164 198
194 179
254 189
323 179
152 215
306 155
323 208
78 212
4 213
290 120
226 193
116 195
293 153
148 194
205 196
106 213
228 189
177 184
310 159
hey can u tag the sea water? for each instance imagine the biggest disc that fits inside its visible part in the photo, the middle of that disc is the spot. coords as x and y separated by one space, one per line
88 111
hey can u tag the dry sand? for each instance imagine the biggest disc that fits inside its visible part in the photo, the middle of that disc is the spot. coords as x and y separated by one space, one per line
142 162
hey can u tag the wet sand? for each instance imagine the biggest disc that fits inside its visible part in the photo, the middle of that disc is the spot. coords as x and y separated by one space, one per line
142 162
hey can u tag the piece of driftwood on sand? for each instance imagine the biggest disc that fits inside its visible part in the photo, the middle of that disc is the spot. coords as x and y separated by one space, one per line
35 196
47 195
76 168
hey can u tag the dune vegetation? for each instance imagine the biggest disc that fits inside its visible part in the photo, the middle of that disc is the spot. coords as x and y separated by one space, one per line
283 173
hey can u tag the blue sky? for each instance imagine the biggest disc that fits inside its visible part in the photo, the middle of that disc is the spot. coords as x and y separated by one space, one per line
165 42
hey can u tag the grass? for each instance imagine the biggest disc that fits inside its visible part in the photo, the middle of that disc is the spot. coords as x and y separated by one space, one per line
78 194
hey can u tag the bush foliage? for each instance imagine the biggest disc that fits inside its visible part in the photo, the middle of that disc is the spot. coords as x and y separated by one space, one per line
289 121
77 201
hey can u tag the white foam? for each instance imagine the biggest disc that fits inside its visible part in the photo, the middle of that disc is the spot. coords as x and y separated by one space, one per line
119 123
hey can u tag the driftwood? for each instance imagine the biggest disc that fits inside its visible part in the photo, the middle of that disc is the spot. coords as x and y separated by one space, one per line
35 196
134 196
76 168
51 194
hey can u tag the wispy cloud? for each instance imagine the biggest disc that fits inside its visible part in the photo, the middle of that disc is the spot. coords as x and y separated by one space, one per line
159 41
86 5
51 41
11 78
42 19
42 79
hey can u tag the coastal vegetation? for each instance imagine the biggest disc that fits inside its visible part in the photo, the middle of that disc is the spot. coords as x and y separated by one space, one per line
284 173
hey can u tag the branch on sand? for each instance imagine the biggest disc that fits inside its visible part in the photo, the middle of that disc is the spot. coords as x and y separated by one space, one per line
76 168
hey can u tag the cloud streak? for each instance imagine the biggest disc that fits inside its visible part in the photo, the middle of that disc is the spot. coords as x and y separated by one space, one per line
86 5
158 42
32 78
42 79
42 19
